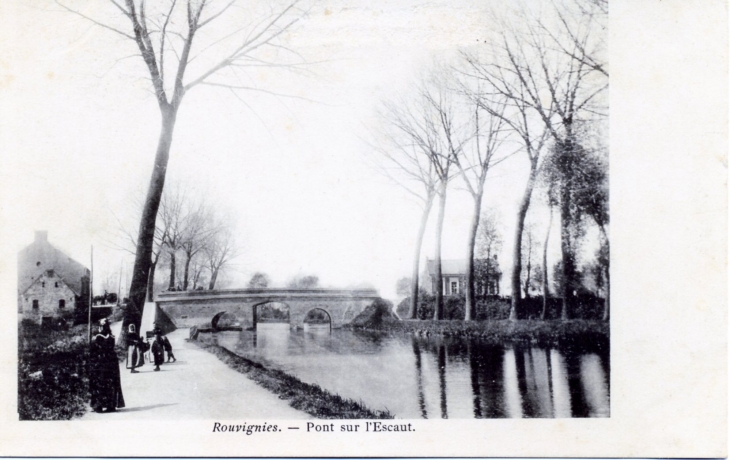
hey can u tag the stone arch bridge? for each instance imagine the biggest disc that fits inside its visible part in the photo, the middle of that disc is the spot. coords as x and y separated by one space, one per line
192 308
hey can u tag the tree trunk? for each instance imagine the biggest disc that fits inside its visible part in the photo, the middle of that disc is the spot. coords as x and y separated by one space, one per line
545 288
151 282
529 272
145 240
213 277
607 271
567 152
173 269
413 306
517 249
438 311
470 308
187 270
566 249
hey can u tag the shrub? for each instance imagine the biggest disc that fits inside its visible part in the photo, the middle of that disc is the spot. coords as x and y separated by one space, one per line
52 372
374 314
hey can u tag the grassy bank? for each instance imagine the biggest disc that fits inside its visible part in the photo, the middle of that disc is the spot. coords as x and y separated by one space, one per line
52 372
302 396
501 332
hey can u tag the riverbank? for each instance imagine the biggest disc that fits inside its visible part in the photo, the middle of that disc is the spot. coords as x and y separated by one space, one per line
302 396
504 332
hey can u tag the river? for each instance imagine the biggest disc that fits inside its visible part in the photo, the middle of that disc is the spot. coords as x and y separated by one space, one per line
434 377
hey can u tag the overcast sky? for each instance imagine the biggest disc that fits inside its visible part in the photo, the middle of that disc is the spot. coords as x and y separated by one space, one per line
79 126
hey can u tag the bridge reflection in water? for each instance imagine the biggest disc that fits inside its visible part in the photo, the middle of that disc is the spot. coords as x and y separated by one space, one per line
435 378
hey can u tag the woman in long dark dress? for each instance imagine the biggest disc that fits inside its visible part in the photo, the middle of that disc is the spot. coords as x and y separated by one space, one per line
105 384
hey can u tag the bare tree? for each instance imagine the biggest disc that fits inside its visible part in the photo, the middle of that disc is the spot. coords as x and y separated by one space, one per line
474 161
552 200
164 35
404 162
529 248
488 245
197 230
197 268
428 122
507 81
219 252
173 219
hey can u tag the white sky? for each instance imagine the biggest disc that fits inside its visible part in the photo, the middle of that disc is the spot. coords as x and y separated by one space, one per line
79 126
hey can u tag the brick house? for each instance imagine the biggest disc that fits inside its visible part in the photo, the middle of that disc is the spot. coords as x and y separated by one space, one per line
50 283
453 276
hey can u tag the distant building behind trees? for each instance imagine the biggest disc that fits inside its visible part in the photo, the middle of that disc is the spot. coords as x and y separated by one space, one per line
453 276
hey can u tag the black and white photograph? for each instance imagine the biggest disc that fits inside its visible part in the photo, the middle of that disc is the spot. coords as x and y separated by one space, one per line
360 228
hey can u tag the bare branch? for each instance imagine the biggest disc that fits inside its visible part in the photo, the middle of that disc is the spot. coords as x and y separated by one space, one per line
93 20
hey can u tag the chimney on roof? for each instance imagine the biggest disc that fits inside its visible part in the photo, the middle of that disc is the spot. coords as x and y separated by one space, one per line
41 236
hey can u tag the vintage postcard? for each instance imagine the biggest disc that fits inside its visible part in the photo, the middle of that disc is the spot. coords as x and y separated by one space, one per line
364 228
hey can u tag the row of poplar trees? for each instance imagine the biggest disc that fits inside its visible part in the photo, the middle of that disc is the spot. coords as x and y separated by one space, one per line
535 87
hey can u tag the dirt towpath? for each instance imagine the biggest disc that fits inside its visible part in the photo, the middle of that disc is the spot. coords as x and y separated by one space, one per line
196 387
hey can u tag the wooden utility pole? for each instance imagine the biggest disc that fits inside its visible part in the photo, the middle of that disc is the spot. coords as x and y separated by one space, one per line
91 291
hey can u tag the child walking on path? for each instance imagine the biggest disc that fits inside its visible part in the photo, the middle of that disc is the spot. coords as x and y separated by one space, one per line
158 349
168 348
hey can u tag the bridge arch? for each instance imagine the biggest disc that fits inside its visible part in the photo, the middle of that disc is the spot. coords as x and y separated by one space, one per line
316 315
277 305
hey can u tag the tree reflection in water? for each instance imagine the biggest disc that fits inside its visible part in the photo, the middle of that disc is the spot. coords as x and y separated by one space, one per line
438 377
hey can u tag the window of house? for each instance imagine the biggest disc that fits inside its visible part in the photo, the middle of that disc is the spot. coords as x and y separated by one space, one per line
37 264
43 284
454 287
56 283
62 303
35 304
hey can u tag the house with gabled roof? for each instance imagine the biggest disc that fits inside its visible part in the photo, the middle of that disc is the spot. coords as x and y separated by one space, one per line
50 283
48 298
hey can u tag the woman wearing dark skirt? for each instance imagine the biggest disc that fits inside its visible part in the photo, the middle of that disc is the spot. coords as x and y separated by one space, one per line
105 383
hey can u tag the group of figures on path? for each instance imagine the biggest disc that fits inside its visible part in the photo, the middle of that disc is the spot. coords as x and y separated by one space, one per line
137 346
105 385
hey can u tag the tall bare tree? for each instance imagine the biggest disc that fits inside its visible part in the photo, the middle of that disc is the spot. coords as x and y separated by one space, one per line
219 252
403 161
428 122
197 232
474 161
164 34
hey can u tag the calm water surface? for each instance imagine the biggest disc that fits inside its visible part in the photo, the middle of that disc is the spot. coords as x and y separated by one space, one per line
435 377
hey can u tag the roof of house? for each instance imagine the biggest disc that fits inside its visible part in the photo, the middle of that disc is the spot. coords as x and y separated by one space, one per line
452 267
51 273
448 266
39 256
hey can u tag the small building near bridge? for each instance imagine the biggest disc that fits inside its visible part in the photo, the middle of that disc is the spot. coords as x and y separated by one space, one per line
51 285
